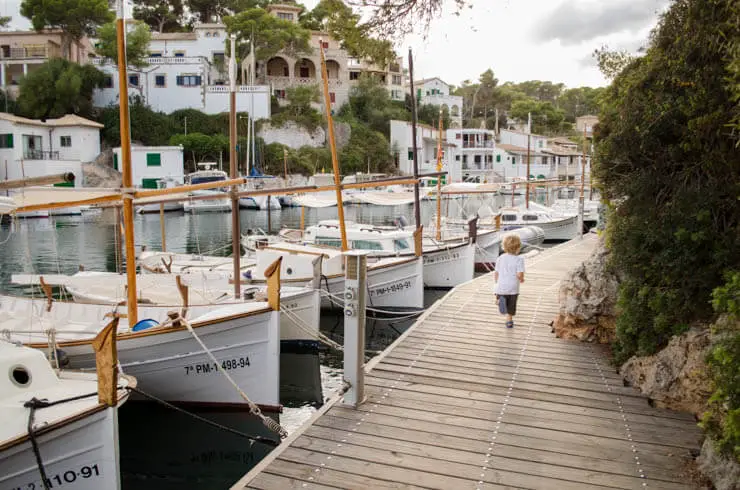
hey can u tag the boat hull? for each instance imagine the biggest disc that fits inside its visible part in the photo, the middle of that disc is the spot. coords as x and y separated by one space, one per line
448 267
154 208
399 287
81 455
168 362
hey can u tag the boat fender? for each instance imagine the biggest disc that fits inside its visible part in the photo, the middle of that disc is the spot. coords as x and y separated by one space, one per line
247 275
144 325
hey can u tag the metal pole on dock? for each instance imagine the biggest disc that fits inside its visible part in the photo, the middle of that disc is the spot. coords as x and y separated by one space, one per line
355 275
417 210
128 202
333 147
235 226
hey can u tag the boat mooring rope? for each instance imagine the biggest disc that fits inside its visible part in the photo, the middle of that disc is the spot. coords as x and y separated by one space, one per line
253 408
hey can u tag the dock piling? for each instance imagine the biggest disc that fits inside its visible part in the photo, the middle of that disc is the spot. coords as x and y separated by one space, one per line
355 289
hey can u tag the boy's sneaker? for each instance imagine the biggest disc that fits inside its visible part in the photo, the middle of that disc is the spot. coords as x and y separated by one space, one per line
510 324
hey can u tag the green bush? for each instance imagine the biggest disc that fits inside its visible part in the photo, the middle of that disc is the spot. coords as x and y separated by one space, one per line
722 419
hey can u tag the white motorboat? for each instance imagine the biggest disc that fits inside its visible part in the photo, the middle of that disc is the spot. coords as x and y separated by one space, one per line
446 263
557 226
163 355
259 202
76 434
7 205
163 183
215 205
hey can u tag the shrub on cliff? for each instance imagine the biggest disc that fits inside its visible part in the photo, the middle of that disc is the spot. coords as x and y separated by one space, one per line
668 153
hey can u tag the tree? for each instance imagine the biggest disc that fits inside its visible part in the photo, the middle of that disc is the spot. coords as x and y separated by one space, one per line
207 10
201 147
299 108
611 63
271 34
5 21
75 18
137 43
400 17
336 18
370 103
546 118
162 16
59 87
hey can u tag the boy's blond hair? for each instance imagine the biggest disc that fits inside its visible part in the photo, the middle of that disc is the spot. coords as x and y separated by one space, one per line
512 244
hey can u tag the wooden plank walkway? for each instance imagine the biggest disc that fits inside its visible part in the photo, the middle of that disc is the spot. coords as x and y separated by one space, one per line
460 402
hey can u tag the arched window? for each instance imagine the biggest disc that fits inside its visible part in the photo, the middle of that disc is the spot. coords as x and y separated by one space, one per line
208 34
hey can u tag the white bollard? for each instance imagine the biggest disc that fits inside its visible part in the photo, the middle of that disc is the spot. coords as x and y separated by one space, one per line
355 290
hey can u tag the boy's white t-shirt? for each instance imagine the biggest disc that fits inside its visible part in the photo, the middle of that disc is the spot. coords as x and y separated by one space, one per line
508 266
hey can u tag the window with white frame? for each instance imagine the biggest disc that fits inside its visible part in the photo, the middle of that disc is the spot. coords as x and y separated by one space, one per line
189 80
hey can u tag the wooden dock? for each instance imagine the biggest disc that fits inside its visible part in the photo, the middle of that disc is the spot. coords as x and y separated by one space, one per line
459 402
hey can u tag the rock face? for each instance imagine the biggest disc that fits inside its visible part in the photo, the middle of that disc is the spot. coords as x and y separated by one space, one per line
587 301
294 136
723 471
676 377
100 173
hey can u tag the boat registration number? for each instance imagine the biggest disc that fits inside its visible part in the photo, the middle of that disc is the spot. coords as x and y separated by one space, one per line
211 367
441 258
64 477
393 288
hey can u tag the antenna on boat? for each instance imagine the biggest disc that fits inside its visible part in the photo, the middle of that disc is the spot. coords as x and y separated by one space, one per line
333 147
233 172
128 201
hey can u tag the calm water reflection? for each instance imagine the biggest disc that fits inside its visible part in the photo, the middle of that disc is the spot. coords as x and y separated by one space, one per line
161 448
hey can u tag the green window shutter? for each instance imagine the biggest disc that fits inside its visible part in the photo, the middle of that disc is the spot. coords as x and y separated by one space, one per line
411 154
149 183
153 160
115 161
65 184
10 141
498 158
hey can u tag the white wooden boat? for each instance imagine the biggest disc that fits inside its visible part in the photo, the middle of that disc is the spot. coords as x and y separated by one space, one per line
299 323
7 205
165 358
77 439
557 226
446 263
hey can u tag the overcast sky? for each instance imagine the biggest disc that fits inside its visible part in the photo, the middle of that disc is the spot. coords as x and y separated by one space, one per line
519 39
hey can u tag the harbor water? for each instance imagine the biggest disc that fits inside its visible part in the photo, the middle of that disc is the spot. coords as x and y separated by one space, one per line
160 447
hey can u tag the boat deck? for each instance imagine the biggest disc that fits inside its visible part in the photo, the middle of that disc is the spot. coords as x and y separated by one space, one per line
459 401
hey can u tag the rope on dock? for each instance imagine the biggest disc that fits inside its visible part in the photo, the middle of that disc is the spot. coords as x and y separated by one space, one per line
253 408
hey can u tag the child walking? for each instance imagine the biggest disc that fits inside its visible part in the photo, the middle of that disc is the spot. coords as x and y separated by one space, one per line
509 273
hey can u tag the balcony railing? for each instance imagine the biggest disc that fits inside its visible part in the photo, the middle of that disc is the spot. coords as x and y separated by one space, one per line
26 52
473 144
283 82
40 155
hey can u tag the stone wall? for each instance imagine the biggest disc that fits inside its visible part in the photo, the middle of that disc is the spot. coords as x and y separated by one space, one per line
587 301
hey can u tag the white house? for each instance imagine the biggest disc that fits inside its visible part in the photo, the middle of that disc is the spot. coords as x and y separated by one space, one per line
522 139
32 148
186 70
511 163
426 145
473 158
152 163
436 92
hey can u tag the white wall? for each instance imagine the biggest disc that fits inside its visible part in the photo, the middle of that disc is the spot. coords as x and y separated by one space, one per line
211 99
85 143
516 138
171 158
426 143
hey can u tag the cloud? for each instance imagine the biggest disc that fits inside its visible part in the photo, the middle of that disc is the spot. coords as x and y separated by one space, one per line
576 21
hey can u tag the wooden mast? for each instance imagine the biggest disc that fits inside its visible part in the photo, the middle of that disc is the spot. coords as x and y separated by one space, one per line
439 179
333 147
233 172
417 210
526 193
128 202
